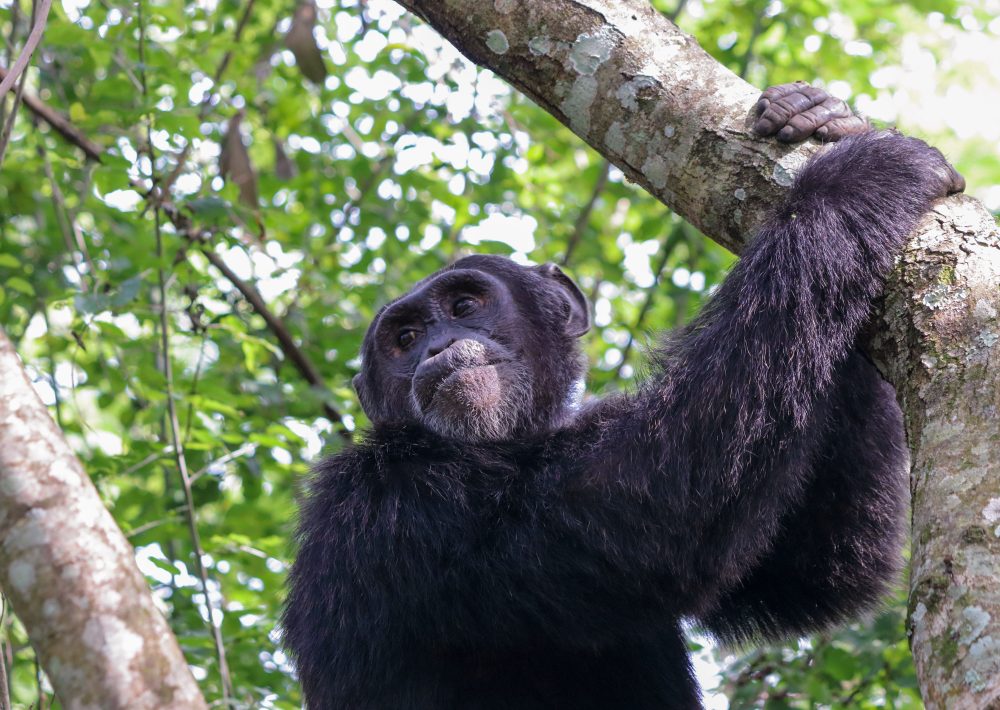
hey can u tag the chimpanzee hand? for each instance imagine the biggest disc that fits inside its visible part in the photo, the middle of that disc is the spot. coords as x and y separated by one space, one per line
948 180
794 112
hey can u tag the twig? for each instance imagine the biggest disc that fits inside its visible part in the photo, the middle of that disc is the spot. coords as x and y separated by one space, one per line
681 303
748 54
677 11
167 451
247 448
60 124
669 244
41 15
168 376
353 206
146 527
8 126
583 219
43 307
67 223
42 695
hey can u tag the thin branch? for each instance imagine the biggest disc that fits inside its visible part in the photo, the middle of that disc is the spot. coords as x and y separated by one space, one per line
353 205
247 448
168 376
286 342
21 63
289 348
748 54
167 451
60 124
8 126
583 219
43 307
695 247
677 11
146 527
674 238
67 224
42 695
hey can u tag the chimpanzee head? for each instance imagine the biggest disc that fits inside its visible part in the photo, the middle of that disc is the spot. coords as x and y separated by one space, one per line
483 350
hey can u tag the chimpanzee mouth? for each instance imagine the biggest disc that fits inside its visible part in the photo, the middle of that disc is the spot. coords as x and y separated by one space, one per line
471 385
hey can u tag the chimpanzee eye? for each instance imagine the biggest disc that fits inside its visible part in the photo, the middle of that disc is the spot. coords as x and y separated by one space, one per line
464 306
407 337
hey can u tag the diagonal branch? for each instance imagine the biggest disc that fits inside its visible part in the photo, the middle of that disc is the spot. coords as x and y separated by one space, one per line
60 123
34 37
289 348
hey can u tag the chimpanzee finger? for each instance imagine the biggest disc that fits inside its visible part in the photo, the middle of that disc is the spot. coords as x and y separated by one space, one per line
841 128
774 93
777 112
804 124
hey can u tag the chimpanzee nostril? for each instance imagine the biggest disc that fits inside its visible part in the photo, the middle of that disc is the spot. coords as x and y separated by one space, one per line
439 346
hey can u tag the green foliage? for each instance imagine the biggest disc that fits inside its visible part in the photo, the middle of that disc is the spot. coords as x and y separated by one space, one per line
404 158
862 665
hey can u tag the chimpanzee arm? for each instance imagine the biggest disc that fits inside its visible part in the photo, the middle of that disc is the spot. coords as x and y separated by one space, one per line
838 548
725 438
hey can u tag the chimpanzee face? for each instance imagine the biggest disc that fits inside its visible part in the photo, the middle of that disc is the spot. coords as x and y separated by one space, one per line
481 351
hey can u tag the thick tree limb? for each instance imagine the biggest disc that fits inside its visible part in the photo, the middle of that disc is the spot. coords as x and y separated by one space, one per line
86 606
645 96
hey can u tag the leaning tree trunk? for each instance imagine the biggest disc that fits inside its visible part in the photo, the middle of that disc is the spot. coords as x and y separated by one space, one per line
648 98
70 574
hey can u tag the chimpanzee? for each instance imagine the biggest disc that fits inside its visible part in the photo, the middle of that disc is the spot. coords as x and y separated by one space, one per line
494 543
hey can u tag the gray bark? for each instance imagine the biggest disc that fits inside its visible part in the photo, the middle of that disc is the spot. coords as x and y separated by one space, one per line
70 574
648 98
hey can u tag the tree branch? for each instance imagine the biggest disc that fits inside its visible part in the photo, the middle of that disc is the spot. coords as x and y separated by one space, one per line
34 37
59 123
291 350
86 606
173 423
666 249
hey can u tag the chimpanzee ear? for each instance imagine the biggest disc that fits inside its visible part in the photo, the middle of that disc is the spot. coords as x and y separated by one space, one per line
578 322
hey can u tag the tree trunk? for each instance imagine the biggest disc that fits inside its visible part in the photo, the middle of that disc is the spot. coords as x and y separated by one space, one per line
649 99
69 572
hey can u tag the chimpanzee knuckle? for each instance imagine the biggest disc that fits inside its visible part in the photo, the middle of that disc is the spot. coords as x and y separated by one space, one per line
818 115
814 94
804 124
796 103
836 108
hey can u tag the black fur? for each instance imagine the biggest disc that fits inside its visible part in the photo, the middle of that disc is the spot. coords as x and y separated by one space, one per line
754 483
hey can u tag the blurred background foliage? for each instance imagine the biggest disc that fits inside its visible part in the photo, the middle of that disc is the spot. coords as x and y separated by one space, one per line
272 173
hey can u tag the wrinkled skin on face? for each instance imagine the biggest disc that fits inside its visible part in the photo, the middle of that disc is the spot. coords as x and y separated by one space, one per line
484 350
